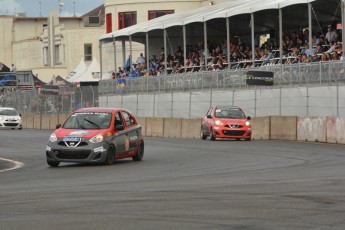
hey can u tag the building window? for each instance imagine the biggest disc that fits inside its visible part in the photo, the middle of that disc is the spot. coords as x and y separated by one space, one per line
127 19
88 52
108 23
57 55
158 13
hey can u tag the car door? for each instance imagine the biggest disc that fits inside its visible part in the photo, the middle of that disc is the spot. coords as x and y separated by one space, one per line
119 137
132 132
207 121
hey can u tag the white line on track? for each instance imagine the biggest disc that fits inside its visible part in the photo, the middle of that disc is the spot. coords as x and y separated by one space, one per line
17 165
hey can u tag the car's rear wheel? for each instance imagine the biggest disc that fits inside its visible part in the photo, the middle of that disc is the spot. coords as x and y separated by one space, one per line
53 163
109 160
212 136
248 139
202 135
140 153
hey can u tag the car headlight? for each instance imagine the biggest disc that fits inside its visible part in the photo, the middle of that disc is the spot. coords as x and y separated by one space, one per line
19 119
53 137
218 122
96 139
1 118
247 123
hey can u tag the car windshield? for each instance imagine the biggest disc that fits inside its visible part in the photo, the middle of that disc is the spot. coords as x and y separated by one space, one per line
89 120
9 112
229 112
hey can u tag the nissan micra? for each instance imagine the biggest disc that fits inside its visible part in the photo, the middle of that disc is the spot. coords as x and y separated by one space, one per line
96 135
228 122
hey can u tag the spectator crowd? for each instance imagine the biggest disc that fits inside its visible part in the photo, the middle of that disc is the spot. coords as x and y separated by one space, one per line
325 47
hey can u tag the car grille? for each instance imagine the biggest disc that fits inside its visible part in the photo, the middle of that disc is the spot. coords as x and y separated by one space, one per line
237 126
234 132
69 143
70 154
10 124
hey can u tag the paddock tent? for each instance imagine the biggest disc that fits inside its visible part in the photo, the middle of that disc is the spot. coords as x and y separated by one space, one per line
92 74
79 70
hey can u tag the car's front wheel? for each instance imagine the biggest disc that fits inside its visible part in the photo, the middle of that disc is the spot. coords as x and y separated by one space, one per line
140 153
202 135
212 136
109 160
53 163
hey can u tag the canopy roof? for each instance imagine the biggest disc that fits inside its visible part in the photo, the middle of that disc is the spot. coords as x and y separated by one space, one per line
91 74
203 14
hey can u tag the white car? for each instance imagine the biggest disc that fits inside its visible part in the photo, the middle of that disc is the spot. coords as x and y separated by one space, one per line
10 118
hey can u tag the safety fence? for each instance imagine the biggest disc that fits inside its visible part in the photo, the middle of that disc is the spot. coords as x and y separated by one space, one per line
188 95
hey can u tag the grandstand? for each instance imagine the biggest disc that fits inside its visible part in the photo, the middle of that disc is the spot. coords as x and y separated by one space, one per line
232 35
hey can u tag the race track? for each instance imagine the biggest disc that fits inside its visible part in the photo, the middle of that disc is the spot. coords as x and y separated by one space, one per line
180 184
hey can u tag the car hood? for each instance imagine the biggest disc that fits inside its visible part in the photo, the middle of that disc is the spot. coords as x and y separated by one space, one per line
84 133
226 121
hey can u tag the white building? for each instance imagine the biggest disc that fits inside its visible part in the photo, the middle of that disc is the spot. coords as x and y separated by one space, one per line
54 46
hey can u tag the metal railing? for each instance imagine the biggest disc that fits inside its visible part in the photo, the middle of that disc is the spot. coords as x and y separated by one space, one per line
284 75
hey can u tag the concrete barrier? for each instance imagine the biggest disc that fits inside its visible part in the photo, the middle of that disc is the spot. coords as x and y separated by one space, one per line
61 118
172 127
37 121
261 128
311 129
321 129
335 130
53 121
190 128
29 121
283 128
155 127
45 119
142 121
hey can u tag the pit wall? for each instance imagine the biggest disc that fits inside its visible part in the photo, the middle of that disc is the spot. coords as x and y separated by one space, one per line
293 128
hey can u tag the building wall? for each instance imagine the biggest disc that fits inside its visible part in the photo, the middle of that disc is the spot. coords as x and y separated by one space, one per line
23 39
6 38
142 7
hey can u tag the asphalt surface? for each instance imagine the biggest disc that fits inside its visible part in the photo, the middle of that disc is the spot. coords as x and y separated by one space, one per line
180 184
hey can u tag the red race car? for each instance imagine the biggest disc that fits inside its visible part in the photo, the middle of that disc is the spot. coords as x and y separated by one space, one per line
96 135
226 122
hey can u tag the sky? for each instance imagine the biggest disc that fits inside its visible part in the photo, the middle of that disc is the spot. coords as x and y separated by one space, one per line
37 8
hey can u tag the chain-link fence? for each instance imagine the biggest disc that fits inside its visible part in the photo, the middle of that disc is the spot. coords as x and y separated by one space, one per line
63 101
131 92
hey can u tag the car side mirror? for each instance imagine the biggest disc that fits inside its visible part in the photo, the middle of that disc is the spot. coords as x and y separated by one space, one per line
119 127
209 116
58 126
248 118
20 114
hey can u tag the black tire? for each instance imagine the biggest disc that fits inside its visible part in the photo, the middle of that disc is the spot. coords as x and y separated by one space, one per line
248 139
202 135
140 153
109 160
53 163
20 128
212 137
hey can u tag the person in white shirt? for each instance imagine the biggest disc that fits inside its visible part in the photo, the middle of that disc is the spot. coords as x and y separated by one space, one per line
141 59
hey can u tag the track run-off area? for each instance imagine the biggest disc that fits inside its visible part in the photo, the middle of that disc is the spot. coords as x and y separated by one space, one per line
180 184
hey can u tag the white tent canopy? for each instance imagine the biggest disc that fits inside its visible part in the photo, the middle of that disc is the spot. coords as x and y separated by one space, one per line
203 14
91 74
79 70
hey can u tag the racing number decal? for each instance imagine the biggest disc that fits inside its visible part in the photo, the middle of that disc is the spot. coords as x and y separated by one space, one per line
126 143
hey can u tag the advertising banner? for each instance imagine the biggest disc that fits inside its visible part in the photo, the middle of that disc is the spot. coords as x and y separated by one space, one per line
259 78
49 90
